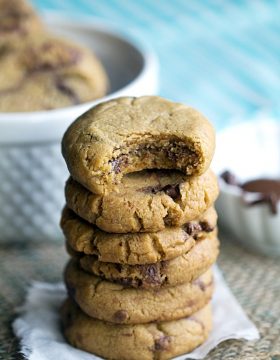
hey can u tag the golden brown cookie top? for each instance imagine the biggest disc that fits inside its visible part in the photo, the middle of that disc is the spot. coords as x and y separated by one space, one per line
135 248
132 134
163 340
118 304
182 269
145 201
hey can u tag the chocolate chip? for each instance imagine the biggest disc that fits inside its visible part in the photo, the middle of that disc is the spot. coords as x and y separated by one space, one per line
205 226
120 316
172 190
201 284
66 90
162 343
229 178
118 267
192 228
151 274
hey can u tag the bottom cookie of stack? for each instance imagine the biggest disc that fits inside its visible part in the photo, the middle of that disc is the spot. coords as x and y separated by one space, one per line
151 341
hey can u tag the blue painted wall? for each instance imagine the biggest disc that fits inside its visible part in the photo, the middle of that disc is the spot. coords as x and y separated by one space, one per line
220 56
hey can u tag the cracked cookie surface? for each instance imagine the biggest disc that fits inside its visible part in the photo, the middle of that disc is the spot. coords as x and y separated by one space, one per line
135 248
115 303
154 341
47 72
146 201
132 134
184 268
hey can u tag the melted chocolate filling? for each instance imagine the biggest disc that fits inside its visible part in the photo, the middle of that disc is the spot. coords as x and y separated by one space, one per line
268 190
173 152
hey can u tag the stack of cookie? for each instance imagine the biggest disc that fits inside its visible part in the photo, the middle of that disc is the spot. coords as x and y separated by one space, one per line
140 228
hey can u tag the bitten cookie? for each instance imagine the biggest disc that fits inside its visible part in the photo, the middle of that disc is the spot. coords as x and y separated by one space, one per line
135 248
48 73
118 304
131 134
146 201
182 269
161 340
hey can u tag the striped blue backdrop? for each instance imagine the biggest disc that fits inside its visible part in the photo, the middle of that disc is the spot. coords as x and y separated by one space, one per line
220 56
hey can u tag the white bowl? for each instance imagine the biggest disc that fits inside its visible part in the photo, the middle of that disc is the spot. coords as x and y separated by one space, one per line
250 151
32 171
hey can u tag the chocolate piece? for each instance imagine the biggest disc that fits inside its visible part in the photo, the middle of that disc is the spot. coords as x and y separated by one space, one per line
162 343
229 178
205 226
192 228
268 190
120 316
172 190
65 89
151 274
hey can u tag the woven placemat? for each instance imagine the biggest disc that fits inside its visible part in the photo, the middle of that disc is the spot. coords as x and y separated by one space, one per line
254 279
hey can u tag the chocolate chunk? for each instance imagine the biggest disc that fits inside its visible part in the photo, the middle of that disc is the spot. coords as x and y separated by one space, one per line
205 226
229 178
270 199
201 284
66 90
151 274
120 316
118 267
172 190
268 190
162 343
192 228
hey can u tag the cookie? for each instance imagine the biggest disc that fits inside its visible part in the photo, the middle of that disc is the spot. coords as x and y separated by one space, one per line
160 340
182 269
48 73
115 303
17 22
135 248
128 134
146 201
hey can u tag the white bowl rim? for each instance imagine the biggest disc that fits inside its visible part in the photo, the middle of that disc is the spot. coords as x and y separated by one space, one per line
150 63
